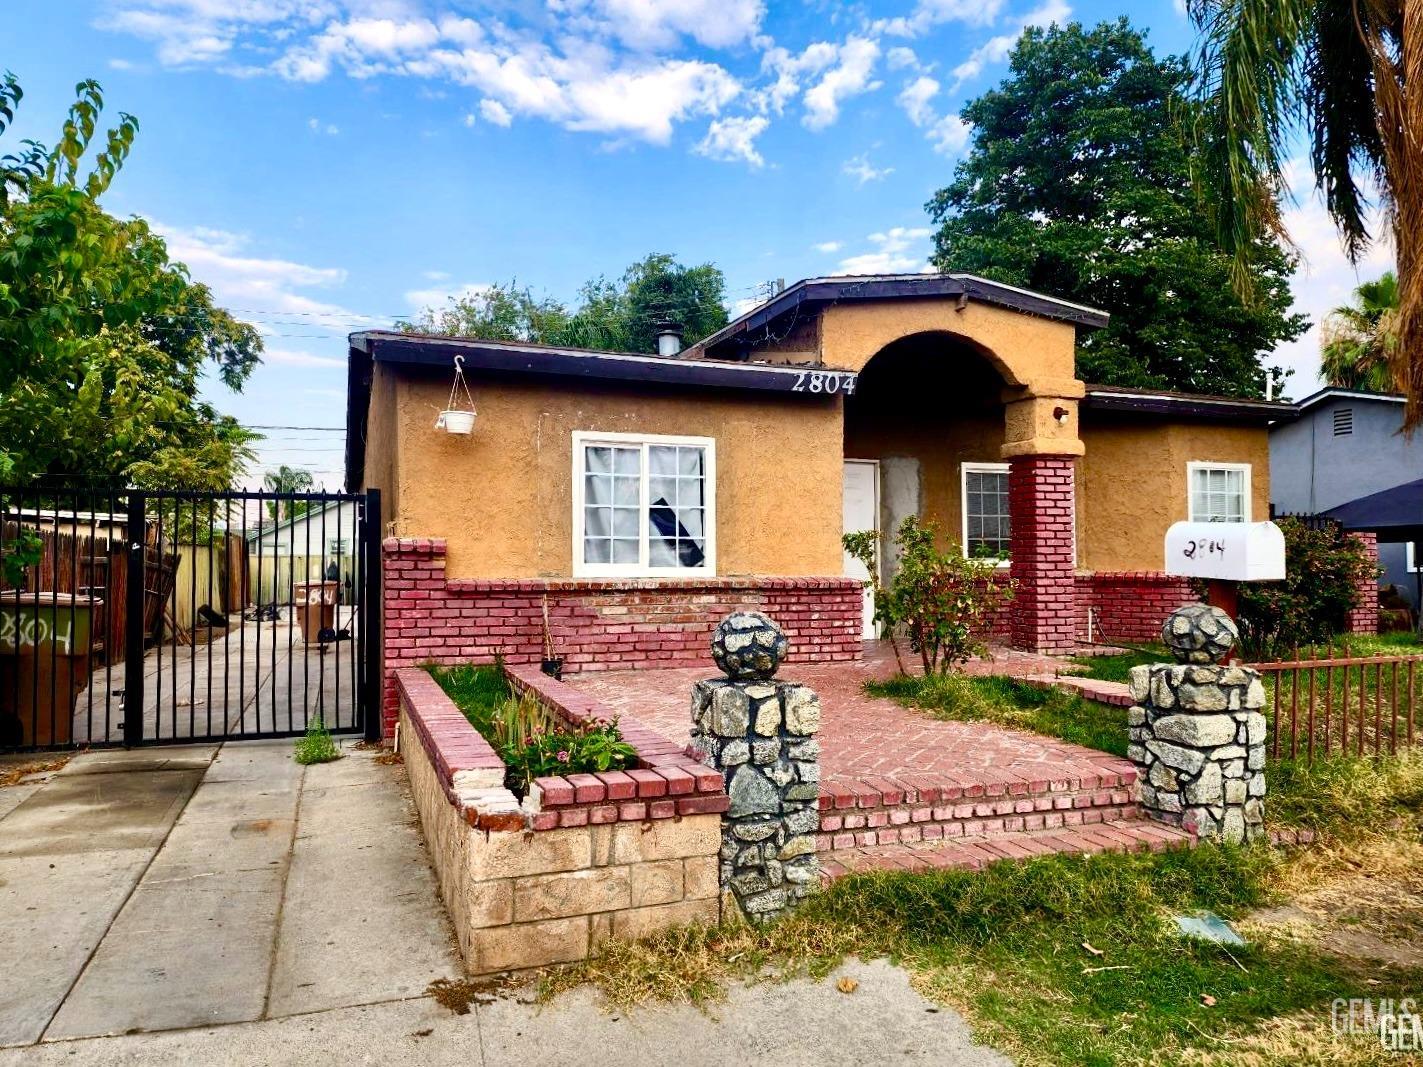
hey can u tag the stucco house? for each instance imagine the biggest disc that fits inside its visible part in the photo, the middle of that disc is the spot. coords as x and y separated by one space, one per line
1347 449
608 507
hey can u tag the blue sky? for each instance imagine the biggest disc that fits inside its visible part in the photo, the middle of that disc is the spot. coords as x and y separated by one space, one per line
328 165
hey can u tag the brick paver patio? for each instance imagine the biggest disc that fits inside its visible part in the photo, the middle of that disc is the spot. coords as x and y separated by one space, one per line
893 776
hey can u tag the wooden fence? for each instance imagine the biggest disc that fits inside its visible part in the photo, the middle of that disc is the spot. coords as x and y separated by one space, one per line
271 578
1346 704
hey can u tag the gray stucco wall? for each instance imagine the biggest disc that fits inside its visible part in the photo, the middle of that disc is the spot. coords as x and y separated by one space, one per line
1311 470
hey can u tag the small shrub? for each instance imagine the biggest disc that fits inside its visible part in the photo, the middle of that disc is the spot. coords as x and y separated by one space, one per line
941 601
317 746
1323 568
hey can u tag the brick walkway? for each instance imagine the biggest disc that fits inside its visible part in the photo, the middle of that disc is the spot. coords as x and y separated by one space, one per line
894 776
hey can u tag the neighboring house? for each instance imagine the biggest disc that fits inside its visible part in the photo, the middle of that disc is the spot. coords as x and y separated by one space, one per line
1345 445
302 548
636 497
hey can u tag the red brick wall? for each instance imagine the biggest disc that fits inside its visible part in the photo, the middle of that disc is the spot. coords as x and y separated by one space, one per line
1364 618
1040 504
1128 605
595 625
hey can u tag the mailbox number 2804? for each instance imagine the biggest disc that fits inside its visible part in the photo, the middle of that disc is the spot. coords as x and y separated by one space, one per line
822 382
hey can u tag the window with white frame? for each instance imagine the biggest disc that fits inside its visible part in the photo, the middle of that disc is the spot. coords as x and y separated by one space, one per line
1219 492
1414 554
985 510
643 505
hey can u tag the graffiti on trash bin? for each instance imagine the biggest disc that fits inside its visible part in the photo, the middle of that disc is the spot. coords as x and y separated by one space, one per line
35 630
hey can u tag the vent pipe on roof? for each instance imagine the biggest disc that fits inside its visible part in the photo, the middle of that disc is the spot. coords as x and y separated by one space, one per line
669 339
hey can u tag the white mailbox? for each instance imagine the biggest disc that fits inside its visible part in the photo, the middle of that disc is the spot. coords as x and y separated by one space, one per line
1226 551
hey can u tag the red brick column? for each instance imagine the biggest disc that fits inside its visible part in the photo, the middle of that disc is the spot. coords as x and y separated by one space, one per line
1364 618
1041 509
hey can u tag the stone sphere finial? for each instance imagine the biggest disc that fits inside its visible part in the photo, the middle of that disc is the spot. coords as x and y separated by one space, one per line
1199 633
748 646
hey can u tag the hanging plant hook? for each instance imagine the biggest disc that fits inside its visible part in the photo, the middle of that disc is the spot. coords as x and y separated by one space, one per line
458 418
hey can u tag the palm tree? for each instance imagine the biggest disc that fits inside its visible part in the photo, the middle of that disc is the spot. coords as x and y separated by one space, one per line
1356 340
287 480
1341 70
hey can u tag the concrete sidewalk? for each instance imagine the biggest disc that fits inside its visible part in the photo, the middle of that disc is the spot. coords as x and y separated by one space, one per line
164 889
223 905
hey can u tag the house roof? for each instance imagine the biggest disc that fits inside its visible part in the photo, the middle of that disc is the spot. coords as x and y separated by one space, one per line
811 294
1334 393
1189 405
385 346
262 531
1395 514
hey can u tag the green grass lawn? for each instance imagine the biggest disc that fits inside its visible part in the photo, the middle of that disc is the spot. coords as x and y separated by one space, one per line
1117 667
1009 702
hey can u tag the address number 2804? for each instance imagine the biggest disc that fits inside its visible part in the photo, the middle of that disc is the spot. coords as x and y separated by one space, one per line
823 382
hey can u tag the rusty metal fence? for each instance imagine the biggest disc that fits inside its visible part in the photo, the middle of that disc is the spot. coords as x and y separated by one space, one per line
1350 705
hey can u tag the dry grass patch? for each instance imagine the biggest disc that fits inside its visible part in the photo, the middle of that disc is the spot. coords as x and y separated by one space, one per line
14 773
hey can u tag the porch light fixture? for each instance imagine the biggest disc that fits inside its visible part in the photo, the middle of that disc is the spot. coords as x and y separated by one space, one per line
1061 414
456 419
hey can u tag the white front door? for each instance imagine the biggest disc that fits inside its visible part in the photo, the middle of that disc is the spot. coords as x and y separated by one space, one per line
861 512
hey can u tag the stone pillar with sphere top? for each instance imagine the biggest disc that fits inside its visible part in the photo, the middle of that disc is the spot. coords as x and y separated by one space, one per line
1198 731
760 733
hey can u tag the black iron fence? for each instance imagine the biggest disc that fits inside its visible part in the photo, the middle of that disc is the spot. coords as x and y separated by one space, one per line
131 617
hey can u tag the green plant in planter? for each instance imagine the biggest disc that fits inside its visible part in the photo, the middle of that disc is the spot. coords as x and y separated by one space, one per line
595 746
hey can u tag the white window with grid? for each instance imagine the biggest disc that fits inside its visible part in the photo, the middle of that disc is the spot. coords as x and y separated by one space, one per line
985 510
643 505
1219 492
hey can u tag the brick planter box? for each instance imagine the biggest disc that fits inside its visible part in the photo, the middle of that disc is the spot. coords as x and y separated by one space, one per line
581 859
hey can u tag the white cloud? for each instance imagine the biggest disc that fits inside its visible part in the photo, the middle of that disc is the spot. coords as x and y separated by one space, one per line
658 24
915 99
251 284
328 128
826 247
734 139
930 13
949 135
495 112
1325 278
996 49
791 70
895 251
439 297
863 171
852 74
901 58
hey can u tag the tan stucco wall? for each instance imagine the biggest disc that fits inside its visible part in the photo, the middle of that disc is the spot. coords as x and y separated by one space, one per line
502 496
383 443
1132 484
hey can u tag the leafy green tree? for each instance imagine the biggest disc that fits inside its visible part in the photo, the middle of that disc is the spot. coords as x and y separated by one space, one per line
103 340
1078 185
1347 72
621 316
1358 339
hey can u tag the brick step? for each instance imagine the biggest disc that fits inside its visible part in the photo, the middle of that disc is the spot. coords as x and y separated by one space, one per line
912 808
977 852
875 830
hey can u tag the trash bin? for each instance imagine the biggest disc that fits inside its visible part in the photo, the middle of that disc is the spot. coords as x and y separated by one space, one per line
316 608
45 663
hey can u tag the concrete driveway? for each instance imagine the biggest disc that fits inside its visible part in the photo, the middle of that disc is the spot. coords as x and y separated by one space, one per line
223 905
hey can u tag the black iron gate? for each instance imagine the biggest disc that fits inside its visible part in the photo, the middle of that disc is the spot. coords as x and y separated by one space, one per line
133 617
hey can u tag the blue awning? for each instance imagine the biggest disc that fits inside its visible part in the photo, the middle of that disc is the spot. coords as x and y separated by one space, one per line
1394 514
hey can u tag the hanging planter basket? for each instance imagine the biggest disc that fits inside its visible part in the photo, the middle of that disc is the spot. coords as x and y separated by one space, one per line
457 419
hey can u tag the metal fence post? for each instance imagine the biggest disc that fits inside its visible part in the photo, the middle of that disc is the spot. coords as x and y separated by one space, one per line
372 662
136 531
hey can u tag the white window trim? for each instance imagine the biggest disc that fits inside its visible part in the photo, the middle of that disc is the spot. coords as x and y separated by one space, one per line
965 469
1411 563
581 440
1213 465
